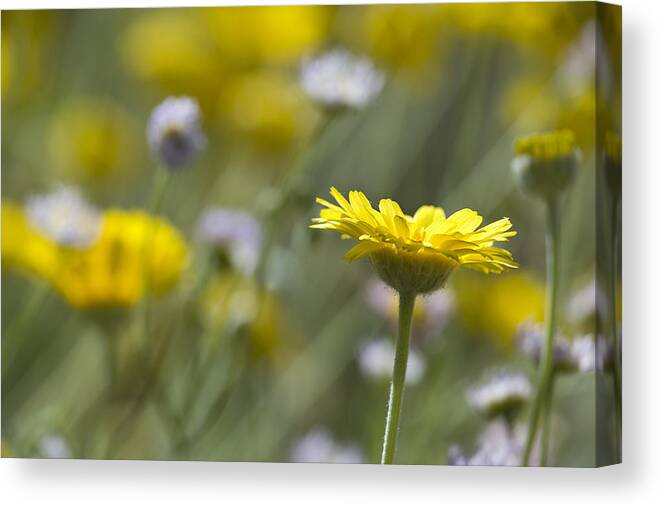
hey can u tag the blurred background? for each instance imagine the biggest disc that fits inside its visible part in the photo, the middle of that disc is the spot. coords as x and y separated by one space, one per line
265 345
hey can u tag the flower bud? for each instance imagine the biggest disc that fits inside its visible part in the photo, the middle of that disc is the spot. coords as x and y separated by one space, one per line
545 164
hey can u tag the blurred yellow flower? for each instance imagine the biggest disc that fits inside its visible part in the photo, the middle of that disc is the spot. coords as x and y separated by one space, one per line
404 37
24 247
496 307
248 36
92 138
111 273
233 303
268 109
7 62
173 49
418 251
27 50
538 105
523 22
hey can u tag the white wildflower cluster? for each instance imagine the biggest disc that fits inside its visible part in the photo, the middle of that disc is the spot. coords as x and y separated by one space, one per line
377 356
174 132
583 303
318 446
498 445
53 447
503 395
65 217
337 79
236 232
577 355
432 312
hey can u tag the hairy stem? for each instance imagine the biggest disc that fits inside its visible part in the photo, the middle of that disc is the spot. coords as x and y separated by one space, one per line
406 303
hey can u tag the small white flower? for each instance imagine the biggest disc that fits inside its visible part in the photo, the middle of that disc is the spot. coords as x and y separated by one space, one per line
318 446
65 217
582 303
174 132
437 307
504 394
498 445
236 232
432 312
54 447
339 79
584 353
376 360
577 355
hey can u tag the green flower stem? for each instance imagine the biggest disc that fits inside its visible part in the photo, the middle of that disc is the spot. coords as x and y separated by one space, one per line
406 303
617 372
546 422
161 181
551 317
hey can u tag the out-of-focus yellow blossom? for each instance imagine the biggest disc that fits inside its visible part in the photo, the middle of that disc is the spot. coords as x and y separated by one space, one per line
580 117
26 48
248 36
111 273
7 62
269 109
174 50
24 247
537 105
92 138
233 302
546 28
495 307
404 37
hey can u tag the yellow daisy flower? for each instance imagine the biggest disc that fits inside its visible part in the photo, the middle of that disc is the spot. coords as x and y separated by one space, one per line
111 273
24 248
416 254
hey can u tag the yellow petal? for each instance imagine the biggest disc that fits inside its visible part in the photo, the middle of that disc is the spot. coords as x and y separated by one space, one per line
340 199
361 250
